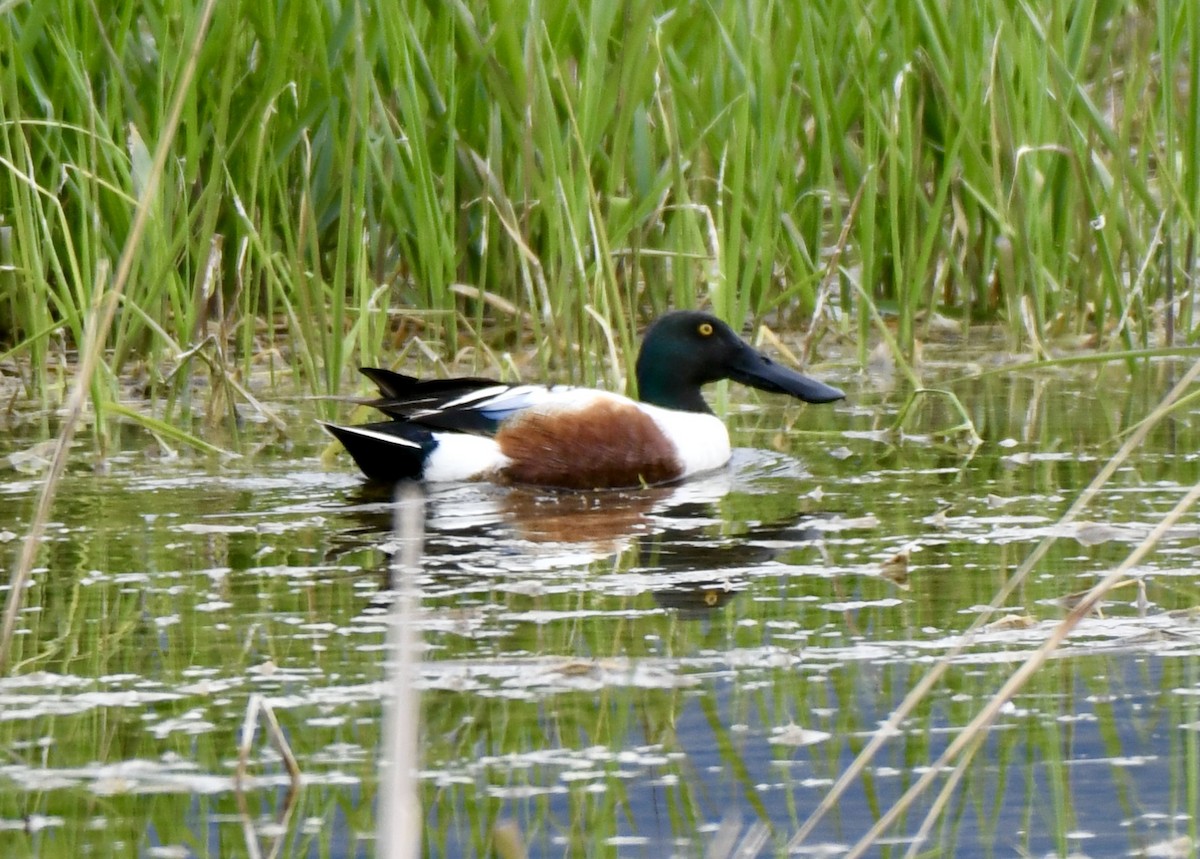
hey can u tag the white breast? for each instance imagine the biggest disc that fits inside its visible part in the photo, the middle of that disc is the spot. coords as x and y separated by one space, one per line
701 440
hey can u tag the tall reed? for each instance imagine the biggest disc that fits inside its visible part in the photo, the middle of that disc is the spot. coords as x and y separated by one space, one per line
549 176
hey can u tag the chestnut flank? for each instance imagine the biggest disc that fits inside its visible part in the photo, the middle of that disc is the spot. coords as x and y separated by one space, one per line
606 445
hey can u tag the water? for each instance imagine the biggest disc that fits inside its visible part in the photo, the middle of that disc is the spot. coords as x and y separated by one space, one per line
620 674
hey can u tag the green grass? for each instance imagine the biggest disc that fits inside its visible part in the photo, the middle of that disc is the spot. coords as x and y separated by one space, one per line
540 180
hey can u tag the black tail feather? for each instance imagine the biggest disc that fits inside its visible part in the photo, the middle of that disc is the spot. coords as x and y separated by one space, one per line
387 451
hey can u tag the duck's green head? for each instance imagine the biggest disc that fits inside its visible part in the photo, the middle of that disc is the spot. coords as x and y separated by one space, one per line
685 349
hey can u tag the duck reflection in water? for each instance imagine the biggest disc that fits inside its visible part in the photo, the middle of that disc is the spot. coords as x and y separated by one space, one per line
676 538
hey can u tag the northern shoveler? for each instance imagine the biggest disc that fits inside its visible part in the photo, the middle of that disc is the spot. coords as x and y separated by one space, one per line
568 437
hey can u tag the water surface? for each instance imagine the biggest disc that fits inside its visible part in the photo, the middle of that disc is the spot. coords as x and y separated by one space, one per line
619 674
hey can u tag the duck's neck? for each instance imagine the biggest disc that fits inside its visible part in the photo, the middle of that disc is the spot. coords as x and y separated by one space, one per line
669 394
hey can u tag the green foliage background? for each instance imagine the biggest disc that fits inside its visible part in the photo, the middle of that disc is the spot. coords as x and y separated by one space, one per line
552 175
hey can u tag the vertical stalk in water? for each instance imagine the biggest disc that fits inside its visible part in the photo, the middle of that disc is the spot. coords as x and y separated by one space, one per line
399 804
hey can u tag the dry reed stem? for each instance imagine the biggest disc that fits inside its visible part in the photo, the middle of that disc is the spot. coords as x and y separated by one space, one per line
255 707
831 275
942 800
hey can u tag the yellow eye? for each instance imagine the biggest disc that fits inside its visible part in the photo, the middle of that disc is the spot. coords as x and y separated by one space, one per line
705 329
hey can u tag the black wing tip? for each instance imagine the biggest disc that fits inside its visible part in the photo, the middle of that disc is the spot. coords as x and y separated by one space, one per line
398 392
391 385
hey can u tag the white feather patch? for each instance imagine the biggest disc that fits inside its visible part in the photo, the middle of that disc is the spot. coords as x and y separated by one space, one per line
386 438
460 456
701 440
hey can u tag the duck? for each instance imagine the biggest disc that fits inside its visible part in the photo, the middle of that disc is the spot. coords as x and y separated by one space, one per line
566 437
